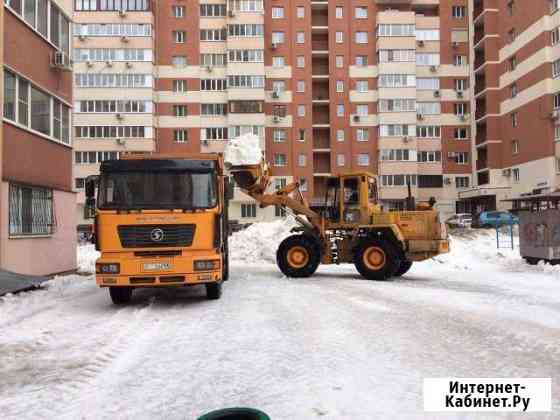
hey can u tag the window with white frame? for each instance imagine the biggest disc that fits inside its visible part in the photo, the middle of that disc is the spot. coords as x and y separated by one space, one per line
302 160
515 147
279 136
396 56
460 109
339 86
214 133
300 37
340 110
461 133
113 80
363 159
556 68
300 12
300 61
362 134
340 159
362 86
458 12
462 182
277 12
301 110
361 12
179 37
397 105
555 35
31 210
427 59
427 34
428 108
248 211
213 10
395 30
246 56
556 101
339 37
179 85
339 135
361 37
246 30
280 159
516 175
339 12
398 180
178 11
362 110
459 60
180 135
278 61
213 84
396 130
429 156
428 131
277 37
361 60
462 158
427 83
339 61
179 61
397 155
397 80
301 86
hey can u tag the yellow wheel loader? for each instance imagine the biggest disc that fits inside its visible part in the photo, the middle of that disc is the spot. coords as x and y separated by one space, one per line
351 228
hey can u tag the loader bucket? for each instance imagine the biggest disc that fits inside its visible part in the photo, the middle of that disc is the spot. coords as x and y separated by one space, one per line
245 179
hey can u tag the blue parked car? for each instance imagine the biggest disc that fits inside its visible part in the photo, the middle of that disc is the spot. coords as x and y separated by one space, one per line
496 218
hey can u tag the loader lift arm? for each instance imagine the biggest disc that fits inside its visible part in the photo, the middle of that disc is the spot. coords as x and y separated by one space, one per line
254 181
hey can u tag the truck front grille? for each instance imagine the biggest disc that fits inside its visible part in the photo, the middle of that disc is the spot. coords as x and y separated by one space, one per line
147 236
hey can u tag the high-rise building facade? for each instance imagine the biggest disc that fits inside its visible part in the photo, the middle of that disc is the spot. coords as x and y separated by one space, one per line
329 86
37 202
516 71
113 52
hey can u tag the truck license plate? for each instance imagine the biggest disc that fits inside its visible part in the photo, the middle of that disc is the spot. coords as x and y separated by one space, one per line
157 267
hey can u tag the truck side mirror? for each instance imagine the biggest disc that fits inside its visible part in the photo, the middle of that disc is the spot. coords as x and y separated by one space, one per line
229 188
89 207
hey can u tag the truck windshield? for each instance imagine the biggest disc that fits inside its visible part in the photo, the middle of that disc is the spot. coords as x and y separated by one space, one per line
157 190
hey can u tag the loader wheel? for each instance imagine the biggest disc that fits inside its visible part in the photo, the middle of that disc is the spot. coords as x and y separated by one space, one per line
403 268
377 259
298 256
120 295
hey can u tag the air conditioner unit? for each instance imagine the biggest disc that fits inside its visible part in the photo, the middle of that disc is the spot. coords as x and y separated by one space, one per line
273 46
82 37
109 63
275 94
120 116
89 63
554 115
447 181
433 69
506 172
231 13
460 94
420 43
356 118
406 139
276 119
209 69
205 142
122 13
419 116
121 142
451 155
60 60
129 64
463 117
125 39
455 44
437 93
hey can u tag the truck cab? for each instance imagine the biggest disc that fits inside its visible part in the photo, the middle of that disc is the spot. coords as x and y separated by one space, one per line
160 221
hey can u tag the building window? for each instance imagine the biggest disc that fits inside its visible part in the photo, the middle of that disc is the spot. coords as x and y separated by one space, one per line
80 183
300 61
339 36
277 13
558 165
339 135
301 134
513 89
361 60
279 211
339 86
340 160
302 160
300 38
279 136
514 119
460 109
180 110
516 175
179 61
339 12
179 86
363 159
361 12
10 81
278 62
515 147
362 86
217 10
512 63
555 35
300 86
461 134
462 182
362 110
462 158
180 136
340 110
339 61
300 12
280 159
460 85
303 184
30 210
179 37
429 157
248 211
277 37
460 60
301 110
178 11
459 12
361 37
362 134
40 111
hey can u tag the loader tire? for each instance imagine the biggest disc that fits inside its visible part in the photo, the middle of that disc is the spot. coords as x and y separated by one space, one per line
120 295
403 268
298 256
377 259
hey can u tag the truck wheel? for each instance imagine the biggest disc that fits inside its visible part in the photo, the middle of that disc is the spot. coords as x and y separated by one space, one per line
120 295
377 259
298 256
214 290
403 268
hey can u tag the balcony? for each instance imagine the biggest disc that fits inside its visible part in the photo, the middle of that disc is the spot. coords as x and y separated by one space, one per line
481 164
320 18
320 43
320 66
322 163
320 91
321 115
321 140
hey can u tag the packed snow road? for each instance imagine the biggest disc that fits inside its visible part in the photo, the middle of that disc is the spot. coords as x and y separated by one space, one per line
332 347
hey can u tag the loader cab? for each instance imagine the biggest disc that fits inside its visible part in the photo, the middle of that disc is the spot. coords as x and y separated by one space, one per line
351 198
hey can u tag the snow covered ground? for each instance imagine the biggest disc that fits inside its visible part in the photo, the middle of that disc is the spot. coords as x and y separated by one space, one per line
334 346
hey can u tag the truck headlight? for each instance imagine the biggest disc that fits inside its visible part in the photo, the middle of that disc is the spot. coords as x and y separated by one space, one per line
109 268
206 265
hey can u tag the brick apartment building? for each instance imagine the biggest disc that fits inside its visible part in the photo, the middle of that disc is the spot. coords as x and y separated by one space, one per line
516 71
37 203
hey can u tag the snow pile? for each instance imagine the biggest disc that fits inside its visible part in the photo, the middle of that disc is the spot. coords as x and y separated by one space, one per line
259 242
243 150
86 258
